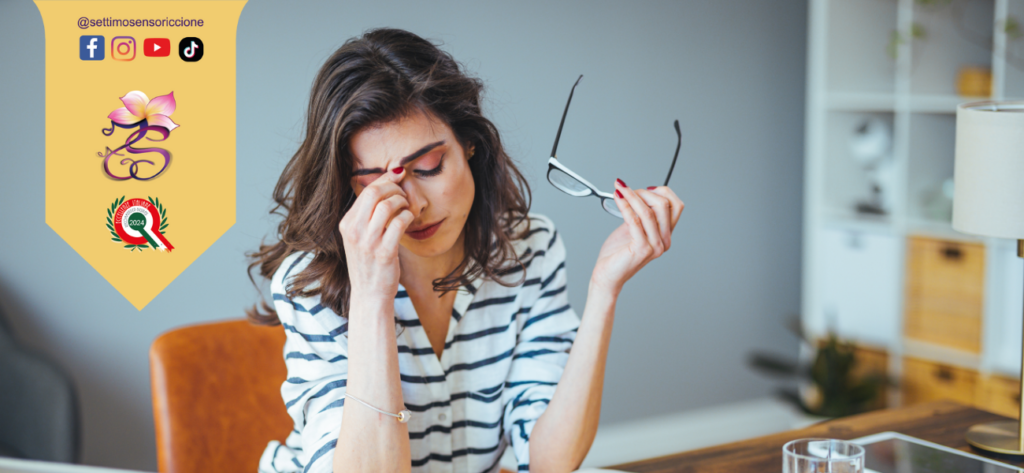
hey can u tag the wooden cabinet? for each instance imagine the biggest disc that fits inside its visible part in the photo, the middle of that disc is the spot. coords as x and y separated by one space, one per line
998 394
925 381
945 290
944 297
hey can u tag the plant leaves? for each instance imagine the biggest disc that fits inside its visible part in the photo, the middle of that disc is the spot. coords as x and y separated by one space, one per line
116 239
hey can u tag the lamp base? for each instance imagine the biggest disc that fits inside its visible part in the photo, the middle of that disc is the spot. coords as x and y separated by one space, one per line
998 437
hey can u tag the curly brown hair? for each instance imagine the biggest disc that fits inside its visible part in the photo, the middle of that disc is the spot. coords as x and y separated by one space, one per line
371 80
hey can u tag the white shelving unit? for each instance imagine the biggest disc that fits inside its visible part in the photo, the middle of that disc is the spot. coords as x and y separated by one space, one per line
854 265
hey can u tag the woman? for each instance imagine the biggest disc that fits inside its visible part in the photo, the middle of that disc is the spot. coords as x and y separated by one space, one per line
409 276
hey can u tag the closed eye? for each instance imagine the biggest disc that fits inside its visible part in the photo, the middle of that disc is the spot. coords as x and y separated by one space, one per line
366 179
432 172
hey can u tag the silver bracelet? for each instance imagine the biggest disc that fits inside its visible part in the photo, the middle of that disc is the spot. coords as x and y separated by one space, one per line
403 416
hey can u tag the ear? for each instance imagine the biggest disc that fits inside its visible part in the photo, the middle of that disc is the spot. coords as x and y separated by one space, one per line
471 151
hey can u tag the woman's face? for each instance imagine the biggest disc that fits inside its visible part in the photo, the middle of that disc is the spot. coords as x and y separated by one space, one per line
437 180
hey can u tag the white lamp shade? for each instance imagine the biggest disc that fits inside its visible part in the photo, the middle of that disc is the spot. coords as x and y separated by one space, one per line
988 174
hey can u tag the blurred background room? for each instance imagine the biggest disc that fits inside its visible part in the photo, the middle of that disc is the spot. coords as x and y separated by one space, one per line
814 274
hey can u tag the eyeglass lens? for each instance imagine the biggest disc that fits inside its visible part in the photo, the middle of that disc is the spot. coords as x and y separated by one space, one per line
610 206
567 183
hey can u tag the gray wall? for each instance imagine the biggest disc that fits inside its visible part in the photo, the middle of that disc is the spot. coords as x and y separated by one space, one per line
731 71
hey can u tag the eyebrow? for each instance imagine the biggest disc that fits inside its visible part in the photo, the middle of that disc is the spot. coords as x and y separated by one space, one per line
402 162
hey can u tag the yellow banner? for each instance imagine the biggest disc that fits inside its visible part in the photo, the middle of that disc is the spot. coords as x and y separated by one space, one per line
140 134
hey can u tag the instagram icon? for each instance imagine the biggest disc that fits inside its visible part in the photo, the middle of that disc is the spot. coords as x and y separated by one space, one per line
122 48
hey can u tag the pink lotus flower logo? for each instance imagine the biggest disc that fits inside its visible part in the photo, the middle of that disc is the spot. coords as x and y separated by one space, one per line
149 116
138 107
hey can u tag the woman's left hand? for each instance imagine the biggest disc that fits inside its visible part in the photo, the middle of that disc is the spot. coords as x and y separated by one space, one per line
650 216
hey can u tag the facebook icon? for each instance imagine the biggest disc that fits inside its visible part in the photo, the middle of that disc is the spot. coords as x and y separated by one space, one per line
90 48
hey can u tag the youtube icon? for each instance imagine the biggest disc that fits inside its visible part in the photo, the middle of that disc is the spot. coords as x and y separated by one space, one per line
156 47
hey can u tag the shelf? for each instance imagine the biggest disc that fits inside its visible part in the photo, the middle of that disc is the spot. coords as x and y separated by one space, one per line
883 102
868 101
861 102
855 268
939 229
841 219
939 103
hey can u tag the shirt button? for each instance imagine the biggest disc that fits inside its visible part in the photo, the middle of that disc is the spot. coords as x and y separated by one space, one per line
441 417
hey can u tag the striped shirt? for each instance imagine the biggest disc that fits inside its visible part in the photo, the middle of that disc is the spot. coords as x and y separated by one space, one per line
503 355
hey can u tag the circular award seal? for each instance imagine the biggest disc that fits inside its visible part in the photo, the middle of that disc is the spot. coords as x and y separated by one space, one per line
137 222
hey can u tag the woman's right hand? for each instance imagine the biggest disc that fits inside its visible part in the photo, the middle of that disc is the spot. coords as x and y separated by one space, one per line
370 233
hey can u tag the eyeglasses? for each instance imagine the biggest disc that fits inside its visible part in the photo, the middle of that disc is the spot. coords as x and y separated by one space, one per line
573 184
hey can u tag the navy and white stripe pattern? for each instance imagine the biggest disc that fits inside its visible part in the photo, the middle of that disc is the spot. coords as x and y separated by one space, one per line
504 353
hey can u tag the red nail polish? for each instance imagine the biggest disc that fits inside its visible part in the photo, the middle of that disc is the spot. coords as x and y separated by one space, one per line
623 184
617 193
651 188
398 170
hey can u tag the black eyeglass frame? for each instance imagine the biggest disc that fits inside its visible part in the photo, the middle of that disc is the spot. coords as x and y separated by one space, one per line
607 200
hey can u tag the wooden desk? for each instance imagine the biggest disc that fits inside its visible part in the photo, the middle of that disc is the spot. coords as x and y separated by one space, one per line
943 422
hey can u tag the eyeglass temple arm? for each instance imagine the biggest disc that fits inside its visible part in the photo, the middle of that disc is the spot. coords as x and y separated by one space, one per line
679 143
566 112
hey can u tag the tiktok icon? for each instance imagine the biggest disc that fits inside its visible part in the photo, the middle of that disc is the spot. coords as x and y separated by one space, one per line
190 49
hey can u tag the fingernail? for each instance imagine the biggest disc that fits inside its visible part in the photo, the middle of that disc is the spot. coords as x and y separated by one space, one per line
651 188
623 184
618 194
398 170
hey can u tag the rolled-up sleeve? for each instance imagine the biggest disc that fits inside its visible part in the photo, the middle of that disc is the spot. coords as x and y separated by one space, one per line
315 354
545 336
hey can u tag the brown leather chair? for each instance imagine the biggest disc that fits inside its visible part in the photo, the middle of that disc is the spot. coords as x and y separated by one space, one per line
217 396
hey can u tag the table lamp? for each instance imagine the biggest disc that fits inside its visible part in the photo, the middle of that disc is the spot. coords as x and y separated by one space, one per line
988 200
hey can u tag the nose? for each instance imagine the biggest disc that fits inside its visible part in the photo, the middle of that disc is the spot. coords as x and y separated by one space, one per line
417 200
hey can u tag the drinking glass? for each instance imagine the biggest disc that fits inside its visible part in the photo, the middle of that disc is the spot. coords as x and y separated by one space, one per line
822 456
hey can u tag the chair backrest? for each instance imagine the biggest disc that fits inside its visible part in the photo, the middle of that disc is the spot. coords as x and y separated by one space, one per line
217 396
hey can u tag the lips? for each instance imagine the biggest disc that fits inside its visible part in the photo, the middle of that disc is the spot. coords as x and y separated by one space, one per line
424 232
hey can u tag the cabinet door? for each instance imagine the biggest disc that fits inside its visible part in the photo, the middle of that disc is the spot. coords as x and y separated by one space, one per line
859 278
925 381
945 293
